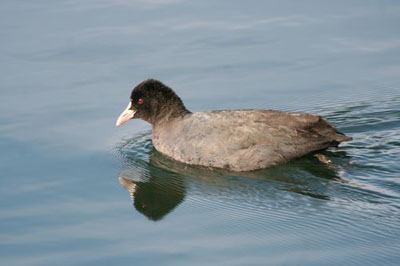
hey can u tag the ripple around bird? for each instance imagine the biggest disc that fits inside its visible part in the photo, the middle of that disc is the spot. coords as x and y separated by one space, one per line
356 198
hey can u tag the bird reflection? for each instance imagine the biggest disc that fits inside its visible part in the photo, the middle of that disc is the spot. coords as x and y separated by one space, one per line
154 196
158 184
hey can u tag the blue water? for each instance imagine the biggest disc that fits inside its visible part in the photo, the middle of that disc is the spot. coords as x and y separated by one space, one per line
76 190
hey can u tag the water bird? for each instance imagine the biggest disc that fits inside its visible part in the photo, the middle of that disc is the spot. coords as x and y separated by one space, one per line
237 140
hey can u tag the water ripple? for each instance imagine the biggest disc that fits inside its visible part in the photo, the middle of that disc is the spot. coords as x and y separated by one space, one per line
354 200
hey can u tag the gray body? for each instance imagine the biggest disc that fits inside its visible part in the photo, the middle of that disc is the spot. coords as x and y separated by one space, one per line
238 140
243 140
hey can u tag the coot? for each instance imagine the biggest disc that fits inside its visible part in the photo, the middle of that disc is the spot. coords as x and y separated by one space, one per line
238 140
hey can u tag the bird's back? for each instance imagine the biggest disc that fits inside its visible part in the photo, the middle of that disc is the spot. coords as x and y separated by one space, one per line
244 140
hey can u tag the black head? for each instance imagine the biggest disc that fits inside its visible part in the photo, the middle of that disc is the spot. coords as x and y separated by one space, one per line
154 102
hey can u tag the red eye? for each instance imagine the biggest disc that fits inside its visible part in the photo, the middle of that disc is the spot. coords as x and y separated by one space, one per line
140 101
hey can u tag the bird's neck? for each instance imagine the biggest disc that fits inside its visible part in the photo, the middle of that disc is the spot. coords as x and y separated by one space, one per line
168 115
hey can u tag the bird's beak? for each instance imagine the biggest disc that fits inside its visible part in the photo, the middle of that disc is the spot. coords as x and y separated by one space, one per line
126 115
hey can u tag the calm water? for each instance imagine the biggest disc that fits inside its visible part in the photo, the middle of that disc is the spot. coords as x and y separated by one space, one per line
76 190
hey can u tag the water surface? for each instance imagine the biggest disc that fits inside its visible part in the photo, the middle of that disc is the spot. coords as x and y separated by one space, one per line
75 190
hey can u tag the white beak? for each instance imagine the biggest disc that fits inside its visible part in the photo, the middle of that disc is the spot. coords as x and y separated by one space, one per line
126 115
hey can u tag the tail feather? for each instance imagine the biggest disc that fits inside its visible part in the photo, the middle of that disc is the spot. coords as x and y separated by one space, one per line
324 128
340 137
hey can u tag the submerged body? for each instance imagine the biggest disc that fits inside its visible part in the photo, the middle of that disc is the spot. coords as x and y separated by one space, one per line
238 140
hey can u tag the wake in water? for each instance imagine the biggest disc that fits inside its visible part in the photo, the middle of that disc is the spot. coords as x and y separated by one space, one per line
362 175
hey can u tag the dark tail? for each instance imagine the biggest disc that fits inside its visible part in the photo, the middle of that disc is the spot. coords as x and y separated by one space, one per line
342 137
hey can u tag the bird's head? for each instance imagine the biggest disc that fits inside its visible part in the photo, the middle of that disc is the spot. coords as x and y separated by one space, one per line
153 102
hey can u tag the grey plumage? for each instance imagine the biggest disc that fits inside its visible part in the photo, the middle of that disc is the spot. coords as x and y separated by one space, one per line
239 140
244 140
